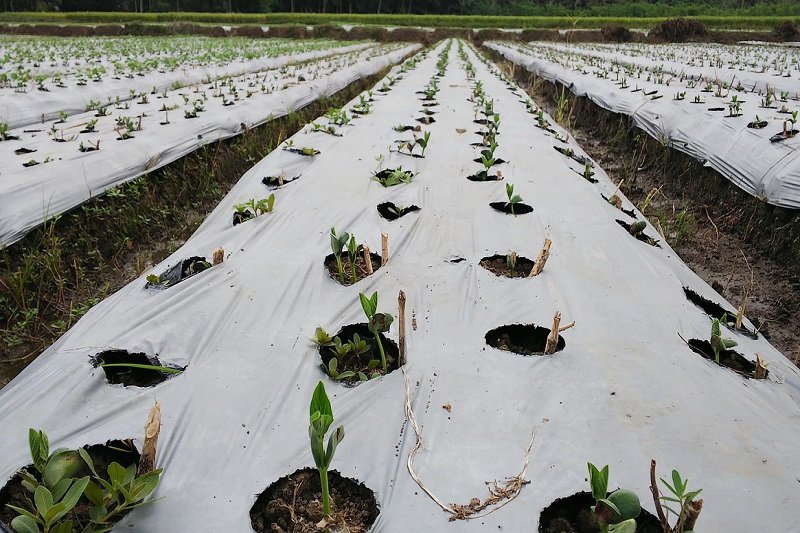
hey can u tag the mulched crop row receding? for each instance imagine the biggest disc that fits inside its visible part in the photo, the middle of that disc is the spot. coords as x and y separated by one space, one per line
54 275
726 225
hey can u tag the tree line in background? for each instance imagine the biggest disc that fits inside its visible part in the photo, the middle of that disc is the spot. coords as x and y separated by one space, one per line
623 8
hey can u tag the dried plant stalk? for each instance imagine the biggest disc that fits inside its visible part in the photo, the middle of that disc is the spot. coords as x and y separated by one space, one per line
761 368
384 249
541 259
401 317
368 260
552 339
218 257
147 462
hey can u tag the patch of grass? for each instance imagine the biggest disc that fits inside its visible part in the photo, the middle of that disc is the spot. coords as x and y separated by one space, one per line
58 272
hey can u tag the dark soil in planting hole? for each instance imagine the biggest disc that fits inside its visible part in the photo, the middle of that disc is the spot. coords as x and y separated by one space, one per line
293 504
119 451
484 176
428 112
273 181
132 377
781 137
244 216
406 128
628 212
727 358
430 104
183 270
498 265
715 310
389 211
360 362
641 236
13 137
426 120
523 339
588 178
498 161
758 125
716 109
23 150
299 151
361 266
505 207
573 515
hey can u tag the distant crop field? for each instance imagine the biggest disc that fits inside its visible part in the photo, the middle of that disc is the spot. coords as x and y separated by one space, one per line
445 21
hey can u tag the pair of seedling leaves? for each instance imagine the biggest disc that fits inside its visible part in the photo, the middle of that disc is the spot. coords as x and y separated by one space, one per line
393 177
617 512
56 492
422 142
320 420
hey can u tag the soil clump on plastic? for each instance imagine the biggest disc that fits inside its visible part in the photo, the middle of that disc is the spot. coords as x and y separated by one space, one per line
573 515
498 265
361 266
122 452
731 240
293 504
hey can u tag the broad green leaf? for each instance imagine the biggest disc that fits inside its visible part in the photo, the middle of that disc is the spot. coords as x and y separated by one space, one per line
63 527
130 474
43 499
628 526
320 402
75 492
347 374
23 512
94 493
332 365
62 465
608 503
677 482
627 504
40 448
98 513
116 473
61 488
55 512
25 524
155 368
88 460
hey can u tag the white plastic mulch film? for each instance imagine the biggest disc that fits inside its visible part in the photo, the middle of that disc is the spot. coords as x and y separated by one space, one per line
625 388
49 169
725 105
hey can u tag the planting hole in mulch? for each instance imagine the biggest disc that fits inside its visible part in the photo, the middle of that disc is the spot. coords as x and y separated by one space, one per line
122 452
589 177
308 152
23 150
360 363
361 266
640 235
498 265
498 161
716 109
783 136
133 376
430 104
177 273
293 504
573 515
628 212
523 339
727 358
505 207
758 125
275 181
390 211
715 310
426 120
485 176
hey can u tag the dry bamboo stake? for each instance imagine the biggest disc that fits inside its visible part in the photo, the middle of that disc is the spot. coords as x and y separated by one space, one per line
147 462
657 497
541 259
280 180
401 317
552 338
384 249
740 315
368 260
761 368
218 257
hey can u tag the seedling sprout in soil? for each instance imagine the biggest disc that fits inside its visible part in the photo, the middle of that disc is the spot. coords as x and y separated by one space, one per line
391 177
58 499
338 243
320 420
718 342
513 199
378 322
615 512
177 273
253 208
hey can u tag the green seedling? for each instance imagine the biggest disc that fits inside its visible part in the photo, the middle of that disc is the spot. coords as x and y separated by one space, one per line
615 512
320 420
681 498
352 254
377 322
511 262
396 177
637 228
587 170
338 243
513 199
423 141
321 338
155 368
718 343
